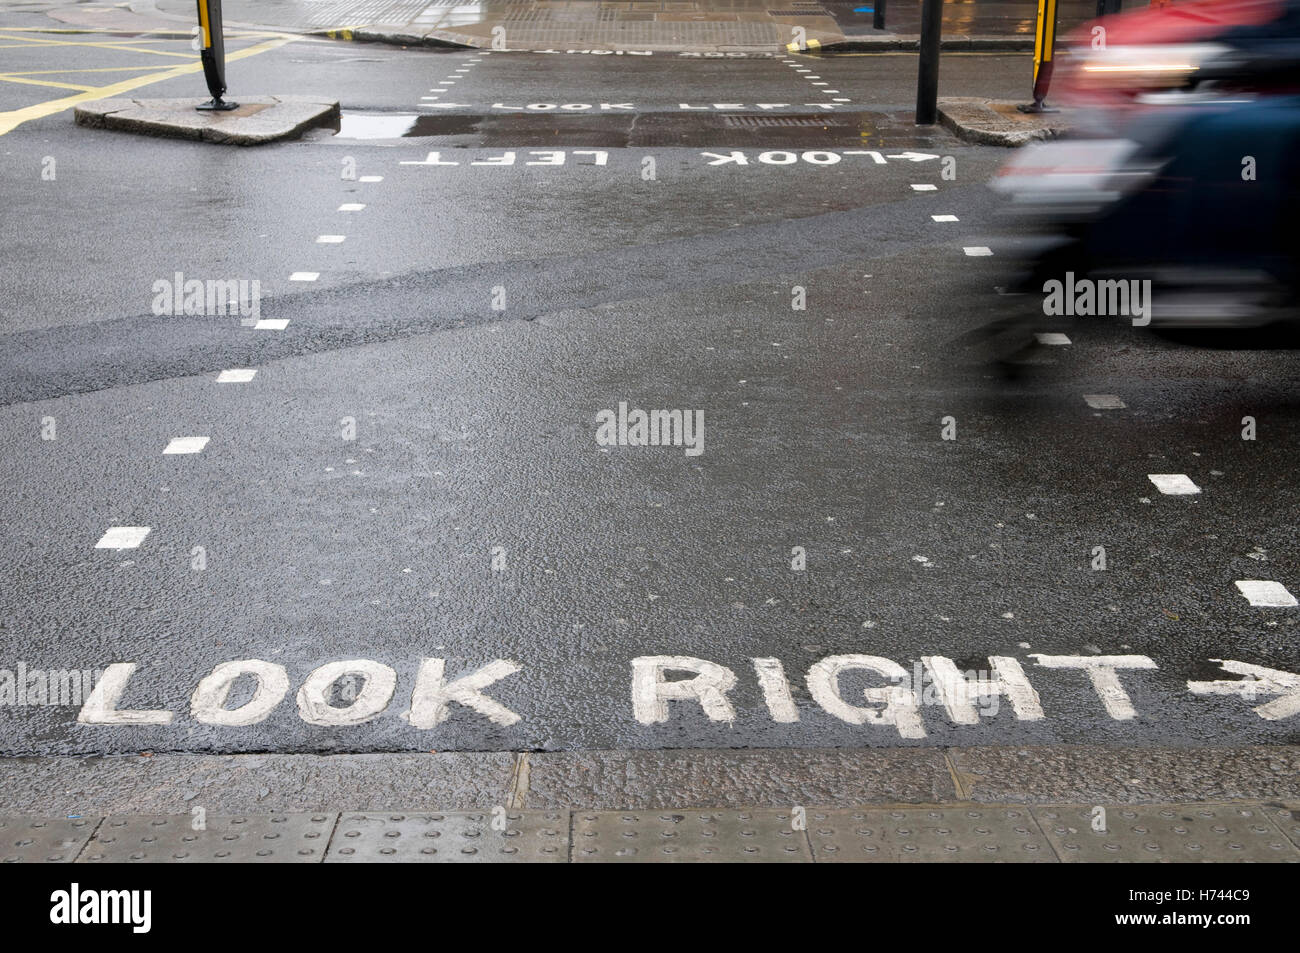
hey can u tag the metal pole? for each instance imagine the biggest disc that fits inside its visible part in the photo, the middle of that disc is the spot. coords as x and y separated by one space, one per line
212 51
878 15
1044 52
927 76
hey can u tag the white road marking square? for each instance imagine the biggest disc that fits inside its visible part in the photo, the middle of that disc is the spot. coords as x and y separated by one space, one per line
978 251
1173 484
351 207
186 445
237 375
271 324
1052 338
371 178
330 239
1104 402
924 187
944 218
1261 592
122 537
304 276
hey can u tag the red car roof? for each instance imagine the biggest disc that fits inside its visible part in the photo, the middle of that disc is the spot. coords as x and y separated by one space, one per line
1181 22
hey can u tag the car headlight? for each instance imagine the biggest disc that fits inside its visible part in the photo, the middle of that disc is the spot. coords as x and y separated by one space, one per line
1163 66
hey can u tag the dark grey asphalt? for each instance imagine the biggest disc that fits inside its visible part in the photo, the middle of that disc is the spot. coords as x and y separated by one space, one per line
475 427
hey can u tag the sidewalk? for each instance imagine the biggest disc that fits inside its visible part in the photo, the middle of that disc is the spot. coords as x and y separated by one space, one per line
947 833
1024 804
654 25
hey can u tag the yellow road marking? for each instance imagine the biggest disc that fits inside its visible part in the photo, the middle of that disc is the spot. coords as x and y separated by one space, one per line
14 118
32 41
97 69
7 78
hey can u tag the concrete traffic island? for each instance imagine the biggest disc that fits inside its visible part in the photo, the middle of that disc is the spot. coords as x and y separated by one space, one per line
997 122
257 120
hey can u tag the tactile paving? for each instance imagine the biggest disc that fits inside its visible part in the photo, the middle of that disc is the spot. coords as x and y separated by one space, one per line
269 838
43 840
1165 833
688 836
452 837
957 834
1287 818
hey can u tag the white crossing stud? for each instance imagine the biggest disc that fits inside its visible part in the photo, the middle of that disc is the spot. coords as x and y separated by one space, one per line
122 537
1174 484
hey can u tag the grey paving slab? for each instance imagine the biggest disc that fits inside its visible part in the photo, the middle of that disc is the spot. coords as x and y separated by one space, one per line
964 834
165 839
1169 833
455 837
43 840
675 837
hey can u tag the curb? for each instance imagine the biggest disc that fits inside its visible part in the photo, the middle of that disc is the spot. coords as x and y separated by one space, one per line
167 784
259 120
910 42
978 121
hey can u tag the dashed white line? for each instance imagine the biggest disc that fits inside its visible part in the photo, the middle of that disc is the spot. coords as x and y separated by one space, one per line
122 537
237 375
1104 402
271 324
977 251
371 178
944 218
330 239
1051 338
1262 592
924 187
351 207
304 276
1174 484
186 445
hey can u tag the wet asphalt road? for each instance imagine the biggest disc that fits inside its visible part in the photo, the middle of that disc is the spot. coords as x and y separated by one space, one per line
472 516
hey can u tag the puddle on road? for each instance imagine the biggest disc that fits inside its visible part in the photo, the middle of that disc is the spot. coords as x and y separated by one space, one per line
863 129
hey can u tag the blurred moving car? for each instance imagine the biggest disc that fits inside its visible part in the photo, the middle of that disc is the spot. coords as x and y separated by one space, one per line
1185 170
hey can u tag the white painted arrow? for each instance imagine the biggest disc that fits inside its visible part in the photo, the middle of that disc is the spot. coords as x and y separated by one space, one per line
914 156
1258 680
